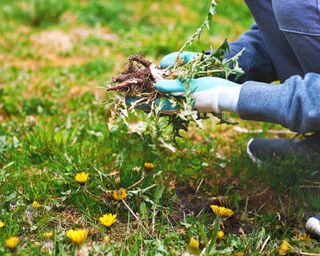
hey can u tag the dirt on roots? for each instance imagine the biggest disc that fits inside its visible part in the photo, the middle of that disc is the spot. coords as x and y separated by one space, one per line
136 77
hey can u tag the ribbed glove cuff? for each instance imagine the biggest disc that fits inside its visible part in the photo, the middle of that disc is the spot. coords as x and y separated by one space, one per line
228 98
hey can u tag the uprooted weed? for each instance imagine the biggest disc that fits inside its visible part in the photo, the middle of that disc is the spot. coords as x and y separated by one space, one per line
136 78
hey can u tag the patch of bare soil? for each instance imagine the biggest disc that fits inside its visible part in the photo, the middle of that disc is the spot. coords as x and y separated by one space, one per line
68 215
91 87
53 40
81 33
192 199
52 45
196 197
58 41
55 61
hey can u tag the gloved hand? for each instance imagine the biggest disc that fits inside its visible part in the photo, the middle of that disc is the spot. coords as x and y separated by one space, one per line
170 59
211 94
166 106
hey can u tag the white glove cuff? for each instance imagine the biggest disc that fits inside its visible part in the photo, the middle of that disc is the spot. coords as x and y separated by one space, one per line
228 98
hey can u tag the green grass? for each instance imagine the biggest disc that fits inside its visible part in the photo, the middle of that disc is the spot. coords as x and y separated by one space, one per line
54 123
37 12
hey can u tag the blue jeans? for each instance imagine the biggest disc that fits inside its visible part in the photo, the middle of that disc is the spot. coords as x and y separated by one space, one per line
291 32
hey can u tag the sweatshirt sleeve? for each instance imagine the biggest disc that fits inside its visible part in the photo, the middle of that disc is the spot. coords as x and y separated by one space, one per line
255 61
295 104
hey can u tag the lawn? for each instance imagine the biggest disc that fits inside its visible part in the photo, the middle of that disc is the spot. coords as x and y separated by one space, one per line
56 57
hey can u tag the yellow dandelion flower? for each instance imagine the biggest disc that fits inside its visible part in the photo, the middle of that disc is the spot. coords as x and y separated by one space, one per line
193 244
47 235
35 205
220 234
284 248
106 239
221 211
78 236
117 180
82 177
120 194
108 219
303 237
148 165
2 224
238 254
12 242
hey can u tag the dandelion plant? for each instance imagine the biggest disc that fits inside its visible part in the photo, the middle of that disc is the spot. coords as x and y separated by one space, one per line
137 80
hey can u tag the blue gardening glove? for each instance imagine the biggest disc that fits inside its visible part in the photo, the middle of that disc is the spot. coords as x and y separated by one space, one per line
170 59
166 106
211 94
167 61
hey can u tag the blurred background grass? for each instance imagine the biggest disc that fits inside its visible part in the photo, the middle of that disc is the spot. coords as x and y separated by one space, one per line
147 27
56 48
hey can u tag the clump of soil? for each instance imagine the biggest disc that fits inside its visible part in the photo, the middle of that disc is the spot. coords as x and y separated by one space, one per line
136 78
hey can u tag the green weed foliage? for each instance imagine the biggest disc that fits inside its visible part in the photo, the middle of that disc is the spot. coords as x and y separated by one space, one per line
54 117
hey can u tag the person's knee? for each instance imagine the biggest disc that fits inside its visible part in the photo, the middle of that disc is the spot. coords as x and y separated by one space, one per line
297 16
